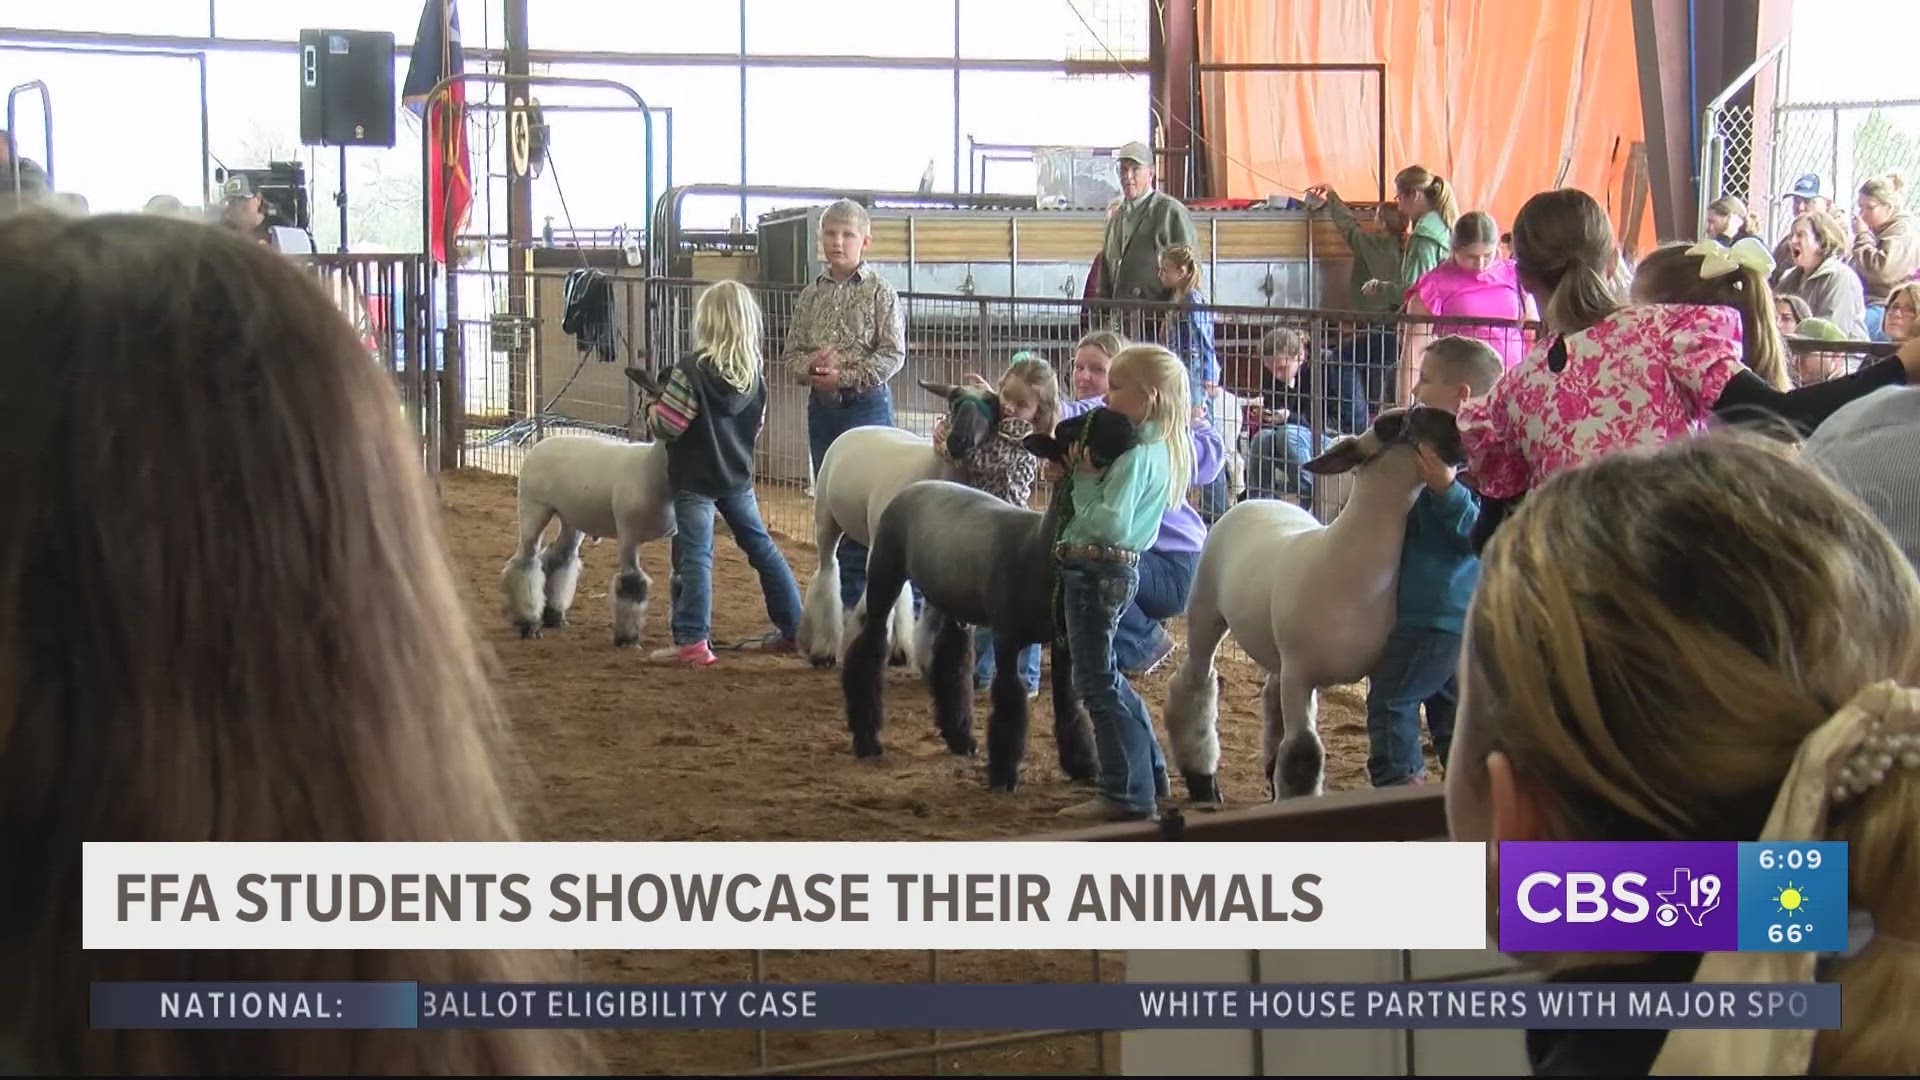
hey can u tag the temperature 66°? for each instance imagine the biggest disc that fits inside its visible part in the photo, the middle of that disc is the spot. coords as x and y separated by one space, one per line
1790 859
1790 933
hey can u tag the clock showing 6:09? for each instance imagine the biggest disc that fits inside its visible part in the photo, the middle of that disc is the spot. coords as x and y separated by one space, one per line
1793 897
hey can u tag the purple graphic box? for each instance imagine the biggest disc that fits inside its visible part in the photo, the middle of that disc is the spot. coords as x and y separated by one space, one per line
1619 897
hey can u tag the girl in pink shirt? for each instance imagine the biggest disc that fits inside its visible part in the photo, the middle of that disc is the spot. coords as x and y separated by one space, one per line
1607 377
1474 283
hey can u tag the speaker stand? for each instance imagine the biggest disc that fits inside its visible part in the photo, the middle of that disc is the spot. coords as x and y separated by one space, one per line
340 197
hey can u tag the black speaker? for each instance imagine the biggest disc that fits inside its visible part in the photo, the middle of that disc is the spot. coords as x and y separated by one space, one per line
346 88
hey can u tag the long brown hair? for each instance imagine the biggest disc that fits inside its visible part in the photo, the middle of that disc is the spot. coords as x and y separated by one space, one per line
1671 275
1680 676
226 614
1564 254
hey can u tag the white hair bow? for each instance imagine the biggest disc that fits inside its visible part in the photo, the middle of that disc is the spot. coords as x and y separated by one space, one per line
1718 260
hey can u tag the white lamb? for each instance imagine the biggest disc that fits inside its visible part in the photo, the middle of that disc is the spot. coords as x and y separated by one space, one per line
596 487
1313 605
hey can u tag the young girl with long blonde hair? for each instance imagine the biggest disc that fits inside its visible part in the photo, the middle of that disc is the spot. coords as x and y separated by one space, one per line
1115 515
709 414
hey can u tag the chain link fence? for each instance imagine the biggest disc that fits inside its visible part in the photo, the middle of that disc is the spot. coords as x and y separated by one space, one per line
1845 144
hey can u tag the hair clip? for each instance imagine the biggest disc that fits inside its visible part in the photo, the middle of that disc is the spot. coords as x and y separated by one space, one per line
1877 755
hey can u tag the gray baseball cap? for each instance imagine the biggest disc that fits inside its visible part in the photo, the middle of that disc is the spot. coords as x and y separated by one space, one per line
237 187
1135 152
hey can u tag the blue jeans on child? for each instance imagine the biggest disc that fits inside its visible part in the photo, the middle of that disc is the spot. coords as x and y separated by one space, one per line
1132 769
1274 460
983 662
693 563
1418 667
1166 579
825 423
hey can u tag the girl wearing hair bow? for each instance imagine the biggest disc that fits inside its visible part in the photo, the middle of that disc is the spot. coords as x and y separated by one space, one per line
1732 276
1608 376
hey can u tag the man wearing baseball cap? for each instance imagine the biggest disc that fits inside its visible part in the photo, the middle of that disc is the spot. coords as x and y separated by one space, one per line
1806 194
242 209
1143 222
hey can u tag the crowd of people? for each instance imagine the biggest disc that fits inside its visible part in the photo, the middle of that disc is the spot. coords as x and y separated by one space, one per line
1667 594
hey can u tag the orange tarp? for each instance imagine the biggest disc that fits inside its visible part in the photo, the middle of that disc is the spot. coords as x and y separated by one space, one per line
1504 98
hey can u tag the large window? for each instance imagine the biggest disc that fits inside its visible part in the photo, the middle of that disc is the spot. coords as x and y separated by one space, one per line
851 128
126 126
1021 108
595 176
839 127
636 26
876 28
284 19
179 18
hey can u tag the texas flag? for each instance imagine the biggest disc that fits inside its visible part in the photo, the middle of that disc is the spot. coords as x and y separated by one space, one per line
436 55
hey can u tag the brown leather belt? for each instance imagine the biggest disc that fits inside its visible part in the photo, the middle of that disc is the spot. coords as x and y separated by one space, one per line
1091 551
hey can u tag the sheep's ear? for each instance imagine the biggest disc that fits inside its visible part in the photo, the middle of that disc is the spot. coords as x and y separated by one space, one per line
1347 454
939 390
1439 429
1390 424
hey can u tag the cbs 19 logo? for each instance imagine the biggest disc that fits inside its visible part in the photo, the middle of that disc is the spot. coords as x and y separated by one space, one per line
1582 896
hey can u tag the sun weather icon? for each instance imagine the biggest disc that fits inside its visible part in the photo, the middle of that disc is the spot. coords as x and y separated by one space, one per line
1791 900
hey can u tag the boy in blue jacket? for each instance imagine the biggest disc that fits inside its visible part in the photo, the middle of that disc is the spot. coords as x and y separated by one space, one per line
1438 572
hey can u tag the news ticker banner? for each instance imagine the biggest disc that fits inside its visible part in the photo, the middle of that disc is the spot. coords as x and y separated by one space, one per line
1552 897
917 1006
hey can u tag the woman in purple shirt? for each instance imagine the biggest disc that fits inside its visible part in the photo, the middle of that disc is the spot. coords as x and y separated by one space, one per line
1141 643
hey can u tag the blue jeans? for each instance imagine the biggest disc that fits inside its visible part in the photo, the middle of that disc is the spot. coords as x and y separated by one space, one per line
1274 459
1417 667
693 563
1876 317
826 423
1093 594
1165 579
1214 498
983 664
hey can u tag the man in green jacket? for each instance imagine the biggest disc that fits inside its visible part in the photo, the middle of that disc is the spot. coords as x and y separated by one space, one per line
1143 223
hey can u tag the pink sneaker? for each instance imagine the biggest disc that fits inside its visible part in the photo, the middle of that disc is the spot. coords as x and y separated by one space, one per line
696 654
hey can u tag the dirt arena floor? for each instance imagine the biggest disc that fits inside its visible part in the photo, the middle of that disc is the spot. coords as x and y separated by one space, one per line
756 748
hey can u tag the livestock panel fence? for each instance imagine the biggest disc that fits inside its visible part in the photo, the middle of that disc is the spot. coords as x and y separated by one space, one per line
481 395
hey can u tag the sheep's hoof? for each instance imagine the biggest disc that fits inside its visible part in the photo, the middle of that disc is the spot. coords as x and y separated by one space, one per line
1079 773
1203 790
552 616
820 663
1003 784
866 746
961 745
1299 769
528 628
898 659
622 641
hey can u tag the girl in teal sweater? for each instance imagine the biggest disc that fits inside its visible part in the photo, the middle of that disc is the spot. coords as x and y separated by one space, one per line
1115 515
